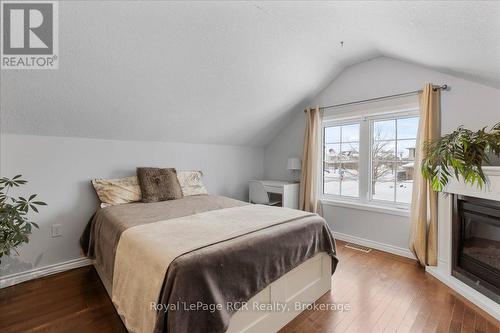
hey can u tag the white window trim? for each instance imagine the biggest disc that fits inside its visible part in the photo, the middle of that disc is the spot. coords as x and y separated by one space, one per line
365 118
368 207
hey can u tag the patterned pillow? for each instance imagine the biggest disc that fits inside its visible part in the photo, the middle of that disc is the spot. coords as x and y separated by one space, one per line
117 191
159 184
191 182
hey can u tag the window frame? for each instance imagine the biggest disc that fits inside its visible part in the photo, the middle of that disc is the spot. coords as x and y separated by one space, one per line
372 120
365 120
340 122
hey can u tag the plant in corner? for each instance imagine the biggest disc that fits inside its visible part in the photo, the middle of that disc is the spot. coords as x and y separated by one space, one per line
15 226
460 154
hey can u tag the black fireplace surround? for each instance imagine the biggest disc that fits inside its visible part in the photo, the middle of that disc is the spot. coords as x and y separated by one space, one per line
476 244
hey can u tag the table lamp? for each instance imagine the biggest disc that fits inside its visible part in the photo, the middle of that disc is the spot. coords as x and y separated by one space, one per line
294 165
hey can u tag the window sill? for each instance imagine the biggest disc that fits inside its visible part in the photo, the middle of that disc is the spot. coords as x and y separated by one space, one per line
368 207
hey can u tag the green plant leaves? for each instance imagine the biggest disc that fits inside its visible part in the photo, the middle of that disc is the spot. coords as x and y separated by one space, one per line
15 226
460 154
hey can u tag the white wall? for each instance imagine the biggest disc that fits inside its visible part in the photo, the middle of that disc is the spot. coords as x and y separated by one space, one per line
467 103
59 169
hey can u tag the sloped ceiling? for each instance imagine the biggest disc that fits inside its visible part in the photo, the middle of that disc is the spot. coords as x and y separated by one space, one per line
229 72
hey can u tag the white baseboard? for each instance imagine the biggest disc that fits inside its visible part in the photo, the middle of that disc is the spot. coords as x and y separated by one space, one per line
400 251
481 301
12 279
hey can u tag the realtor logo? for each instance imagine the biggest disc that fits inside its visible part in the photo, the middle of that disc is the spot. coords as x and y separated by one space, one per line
29 35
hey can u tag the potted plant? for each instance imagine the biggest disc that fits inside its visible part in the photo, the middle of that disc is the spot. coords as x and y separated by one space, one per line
460 154
15 226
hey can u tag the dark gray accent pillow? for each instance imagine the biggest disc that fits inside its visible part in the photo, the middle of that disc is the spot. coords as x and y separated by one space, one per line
159 184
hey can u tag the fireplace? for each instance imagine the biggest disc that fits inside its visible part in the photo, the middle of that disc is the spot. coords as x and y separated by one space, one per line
476 244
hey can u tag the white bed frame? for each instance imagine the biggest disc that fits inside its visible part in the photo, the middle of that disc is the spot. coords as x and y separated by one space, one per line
304 284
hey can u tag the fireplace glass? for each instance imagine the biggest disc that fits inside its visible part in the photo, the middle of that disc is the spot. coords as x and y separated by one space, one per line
476 244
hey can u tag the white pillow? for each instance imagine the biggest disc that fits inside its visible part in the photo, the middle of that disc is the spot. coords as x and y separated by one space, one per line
191 183
117 191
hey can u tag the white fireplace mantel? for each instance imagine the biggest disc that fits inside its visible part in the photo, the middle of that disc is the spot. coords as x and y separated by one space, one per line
443 270
491 190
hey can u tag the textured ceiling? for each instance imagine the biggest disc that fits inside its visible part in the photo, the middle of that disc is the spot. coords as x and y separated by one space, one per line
229 72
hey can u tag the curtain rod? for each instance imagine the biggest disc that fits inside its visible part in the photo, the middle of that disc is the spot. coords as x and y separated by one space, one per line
441 87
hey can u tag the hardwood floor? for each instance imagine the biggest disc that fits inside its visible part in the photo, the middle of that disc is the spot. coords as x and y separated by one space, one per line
73 301
385 293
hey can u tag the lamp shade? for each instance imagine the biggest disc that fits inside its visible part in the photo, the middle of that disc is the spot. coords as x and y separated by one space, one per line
293 164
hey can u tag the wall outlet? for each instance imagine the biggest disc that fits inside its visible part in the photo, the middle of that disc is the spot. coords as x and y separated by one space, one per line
56 230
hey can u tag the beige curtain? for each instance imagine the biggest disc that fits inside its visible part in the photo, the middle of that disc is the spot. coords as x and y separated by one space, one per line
308 200
423 236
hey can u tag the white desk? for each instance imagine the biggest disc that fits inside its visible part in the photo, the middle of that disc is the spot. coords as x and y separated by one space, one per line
289 192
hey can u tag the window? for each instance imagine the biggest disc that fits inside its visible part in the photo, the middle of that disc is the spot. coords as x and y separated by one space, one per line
370 158
341 160
392 157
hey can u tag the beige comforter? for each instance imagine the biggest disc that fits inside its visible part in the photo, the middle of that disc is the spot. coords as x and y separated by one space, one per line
145 252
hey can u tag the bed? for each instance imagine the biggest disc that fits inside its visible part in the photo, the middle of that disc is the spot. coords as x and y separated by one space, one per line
208 263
